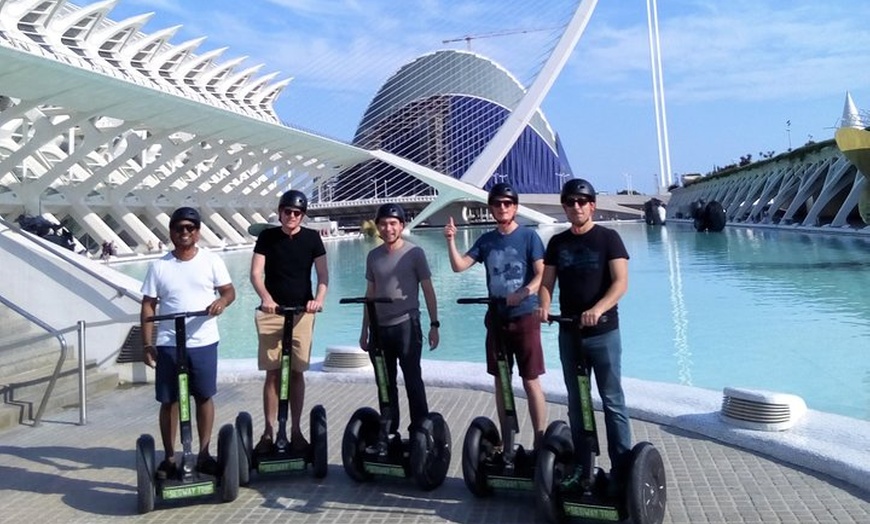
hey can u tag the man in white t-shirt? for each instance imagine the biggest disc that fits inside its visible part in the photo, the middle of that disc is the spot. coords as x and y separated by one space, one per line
185 279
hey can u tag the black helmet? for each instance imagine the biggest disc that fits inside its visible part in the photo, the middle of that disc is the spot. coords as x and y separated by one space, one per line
185 213
578 187
502 190
294 198
390 211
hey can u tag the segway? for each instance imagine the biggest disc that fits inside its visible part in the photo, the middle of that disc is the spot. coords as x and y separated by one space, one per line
368 449
281 458
486 467
188 483
640 501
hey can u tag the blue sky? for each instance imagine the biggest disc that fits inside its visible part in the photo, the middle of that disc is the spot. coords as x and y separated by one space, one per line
735 72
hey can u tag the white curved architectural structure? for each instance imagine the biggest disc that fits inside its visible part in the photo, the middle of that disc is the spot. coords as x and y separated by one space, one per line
106 129
818 185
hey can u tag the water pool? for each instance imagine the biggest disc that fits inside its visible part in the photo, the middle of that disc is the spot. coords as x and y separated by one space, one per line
766 309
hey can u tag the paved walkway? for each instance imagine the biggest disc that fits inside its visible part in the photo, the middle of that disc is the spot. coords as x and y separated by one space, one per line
61 472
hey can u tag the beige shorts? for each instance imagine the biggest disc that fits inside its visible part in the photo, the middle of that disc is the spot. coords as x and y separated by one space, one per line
270 331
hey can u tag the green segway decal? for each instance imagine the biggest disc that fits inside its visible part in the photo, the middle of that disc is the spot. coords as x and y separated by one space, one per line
184 491
590 511
586 403
382 379
384 470
281 466
285 377
183 395
513 483
506 387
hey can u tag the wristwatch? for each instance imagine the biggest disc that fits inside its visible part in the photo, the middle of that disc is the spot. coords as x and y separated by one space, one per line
435 324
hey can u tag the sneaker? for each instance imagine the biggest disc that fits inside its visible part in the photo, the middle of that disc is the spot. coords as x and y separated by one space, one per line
265 445
207 464
615 486
167 469
298 443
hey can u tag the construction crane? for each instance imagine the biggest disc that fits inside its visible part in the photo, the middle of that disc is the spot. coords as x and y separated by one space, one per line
469 38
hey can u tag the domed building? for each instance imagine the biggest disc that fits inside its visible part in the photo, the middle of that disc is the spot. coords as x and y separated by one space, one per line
440 111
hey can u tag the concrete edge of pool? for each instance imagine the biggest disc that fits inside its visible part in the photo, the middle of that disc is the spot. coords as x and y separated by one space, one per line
826 443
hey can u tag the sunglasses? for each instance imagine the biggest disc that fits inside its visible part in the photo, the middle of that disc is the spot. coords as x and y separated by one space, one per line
502 203
184 228
571 202
292 212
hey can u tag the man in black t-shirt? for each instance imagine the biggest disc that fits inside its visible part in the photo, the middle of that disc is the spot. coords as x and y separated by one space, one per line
591 264
281 276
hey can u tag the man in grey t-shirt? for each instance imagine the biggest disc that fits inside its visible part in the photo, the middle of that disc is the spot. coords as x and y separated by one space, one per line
398 269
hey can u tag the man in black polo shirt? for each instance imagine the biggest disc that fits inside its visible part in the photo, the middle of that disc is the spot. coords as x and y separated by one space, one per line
281 276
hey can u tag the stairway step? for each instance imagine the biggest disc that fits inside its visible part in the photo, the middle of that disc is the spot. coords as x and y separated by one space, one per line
11 368
22 408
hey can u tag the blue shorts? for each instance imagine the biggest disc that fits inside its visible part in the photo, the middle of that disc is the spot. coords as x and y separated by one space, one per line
201 368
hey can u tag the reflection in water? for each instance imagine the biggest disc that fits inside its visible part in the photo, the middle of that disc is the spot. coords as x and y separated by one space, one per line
678 312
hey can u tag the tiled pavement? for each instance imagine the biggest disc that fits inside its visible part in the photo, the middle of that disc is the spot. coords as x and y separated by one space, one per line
61 472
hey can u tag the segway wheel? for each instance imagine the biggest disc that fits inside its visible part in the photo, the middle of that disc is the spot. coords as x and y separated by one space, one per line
245 434
430 452
646 496
228 463
145 489
480 440
318 441
553 464
361 431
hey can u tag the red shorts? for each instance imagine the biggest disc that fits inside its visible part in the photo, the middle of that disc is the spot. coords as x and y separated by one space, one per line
522 339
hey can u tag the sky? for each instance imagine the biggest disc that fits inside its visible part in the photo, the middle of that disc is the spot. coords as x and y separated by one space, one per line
740 76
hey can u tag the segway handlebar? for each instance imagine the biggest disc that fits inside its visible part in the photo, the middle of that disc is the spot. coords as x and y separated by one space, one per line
572 319
366 300
480 300
280 310
173 316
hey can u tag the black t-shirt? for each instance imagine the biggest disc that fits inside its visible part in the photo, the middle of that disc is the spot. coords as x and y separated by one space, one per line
583 271
289 260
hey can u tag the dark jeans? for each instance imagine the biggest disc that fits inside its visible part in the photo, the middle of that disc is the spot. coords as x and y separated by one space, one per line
404 343
605 353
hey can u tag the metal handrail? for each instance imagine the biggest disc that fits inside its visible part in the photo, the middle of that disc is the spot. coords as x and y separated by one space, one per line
120 290
56 334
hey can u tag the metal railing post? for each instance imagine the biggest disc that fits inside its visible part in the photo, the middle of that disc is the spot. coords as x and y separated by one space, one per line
83 377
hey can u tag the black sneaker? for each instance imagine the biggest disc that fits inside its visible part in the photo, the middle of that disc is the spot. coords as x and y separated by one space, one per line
265 445
167 469
298 443
207 464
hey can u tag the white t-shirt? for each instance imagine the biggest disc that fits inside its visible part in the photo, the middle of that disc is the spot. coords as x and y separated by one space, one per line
182 286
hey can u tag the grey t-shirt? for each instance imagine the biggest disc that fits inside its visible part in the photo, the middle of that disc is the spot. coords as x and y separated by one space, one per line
397 275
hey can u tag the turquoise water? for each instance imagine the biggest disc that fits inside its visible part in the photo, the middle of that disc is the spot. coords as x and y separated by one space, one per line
775 310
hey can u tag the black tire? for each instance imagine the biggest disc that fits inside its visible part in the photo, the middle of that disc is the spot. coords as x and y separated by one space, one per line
318 441
647 491
228 463
554 462
245 434
362 430
430 452
481 437
145 489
